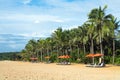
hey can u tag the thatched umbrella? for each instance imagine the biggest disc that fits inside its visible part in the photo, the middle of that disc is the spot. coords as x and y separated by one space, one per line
91 55
99 55
67 56
33 59
47 58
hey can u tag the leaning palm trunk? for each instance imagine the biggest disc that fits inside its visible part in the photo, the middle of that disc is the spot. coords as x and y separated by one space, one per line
92 50
41 56
70 49
78 52
113 51
57 55
47 52
101 48
84 48
92 46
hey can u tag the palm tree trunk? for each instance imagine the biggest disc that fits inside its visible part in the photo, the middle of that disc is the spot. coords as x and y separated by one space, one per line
78 52
101 46
113 51
70 49
57 55
41 56
47 52
84 48
101 50
92 47
92 50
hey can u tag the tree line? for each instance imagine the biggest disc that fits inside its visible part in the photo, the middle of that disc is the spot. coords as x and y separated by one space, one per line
99 34
10 56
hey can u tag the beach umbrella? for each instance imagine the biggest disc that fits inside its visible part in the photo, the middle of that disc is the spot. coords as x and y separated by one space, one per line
33 59
47 57
98 55
59 56
63 56
67 56
91 55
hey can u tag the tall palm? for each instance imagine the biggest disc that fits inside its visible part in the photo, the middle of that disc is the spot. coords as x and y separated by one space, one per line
41 44
115 25
99 17
77 40
84 37
90 33
48 45
71 40
31 47
57 37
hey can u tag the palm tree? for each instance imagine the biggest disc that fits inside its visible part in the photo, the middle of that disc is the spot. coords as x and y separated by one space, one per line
90 33
84 36
31 47
115 25
76 40
100 18
57 37
41 46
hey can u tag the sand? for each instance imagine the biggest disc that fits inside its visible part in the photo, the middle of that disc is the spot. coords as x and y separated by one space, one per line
16 70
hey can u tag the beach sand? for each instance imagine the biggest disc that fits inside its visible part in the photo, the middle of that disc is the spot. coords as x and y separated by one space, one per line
16 70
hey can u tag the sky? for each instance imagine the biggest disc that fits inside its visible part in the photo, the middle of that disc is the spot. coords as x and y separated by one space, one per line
22 20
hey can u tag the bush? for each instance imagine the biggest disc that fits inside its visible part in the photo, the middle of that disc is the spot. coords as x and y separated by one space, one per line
117 60
107 59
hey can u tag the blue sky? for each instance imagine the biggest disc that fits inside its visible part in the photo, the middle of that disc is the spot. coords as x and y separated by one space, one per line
21 20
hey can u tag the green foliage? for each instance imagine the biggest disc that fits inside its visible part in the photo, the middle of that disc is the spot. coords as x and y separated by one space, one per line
108 59
117 60
97 34
10 56
53 57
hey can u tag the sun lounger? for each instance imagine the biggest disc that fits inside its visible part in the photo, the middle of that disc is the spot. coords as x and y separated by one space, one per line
89 65
94 65
100 65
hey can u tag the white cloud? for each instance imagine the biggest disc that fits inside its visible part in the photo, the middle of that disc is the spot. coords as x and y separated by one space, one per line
31 18
34 34
58 21
15 46
26 1
37 21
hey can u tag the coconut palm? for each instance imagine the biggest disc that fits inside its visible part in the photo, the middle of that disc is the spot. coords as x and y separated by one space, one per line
84 36
100 18
31 47
57 37
41 46
115 25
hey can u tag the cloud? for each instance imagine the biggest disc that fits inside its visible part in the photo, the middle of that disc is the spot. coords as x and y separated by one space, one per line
34 34
26 1
37 21
13 46
31 18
